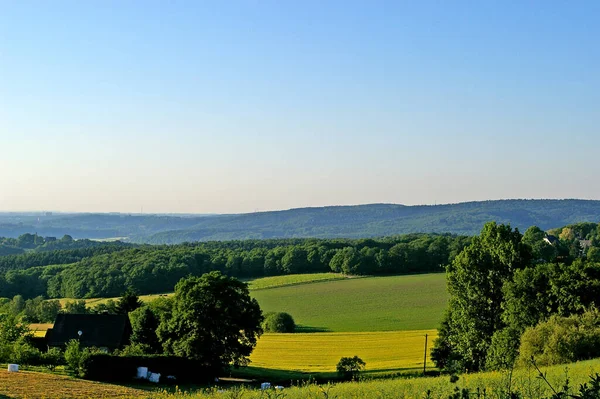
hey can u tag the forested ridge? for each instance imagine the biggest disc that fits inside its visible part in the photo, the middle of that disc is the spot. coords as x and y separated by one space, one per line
360 221
154 269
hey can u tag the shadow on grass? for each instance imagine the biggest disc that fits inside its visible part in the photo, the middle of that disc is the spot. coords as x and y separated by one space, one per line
310 329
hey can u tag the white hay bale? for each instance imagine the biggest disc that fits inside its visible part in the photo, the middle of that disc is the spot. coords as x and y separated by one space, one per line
13 368
265 385
142 372
154 377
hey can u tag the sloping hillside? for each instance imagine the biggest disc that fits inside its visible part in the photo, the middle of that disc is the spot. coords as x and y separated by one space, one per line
358 221
386 219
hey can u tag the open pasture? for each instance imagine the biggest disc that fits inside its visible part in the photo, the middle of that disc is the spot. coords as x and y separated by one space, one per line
394 303
320 352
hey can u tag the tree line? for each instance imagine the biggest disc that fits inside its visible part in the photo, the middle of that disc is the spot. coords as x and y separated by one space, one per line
27 243
156 269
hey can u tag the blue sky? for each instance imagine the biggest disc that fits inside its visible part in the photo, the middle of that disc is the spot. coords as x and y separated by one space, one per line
257 105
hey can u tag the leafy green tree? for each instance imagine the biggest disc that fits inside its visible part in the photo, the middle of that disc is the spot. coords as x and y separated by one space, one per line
76 307
24 353
504 349
108 307
294 261
213 319
144 324
128 302
593 254
348 261
475 281
278 322
17 305
75 357
39 310
540 249
11 329
350 367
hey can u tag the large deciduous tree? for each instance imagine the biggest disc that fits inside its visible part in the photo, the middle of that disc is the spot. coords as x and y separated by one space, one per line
475 281
213 319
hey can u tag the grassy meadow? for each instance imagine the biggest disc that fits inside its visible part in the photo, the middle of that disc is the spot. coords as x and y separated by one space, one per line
394 303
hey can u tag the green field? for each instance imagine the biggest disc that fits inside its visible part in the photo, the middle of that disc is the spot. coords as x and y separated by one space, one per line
293 279
329 302
395 303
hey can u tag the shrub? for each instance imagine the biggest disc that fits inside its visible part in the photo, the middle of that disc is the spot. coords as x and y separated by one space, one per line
349 367
54 357
503 350
75 358
562 339
279 322
24 353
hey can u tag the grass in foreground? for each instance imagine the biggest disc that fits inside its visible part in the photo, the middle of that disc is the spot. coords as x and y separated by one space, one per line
39 385
395 303
26 384
319 352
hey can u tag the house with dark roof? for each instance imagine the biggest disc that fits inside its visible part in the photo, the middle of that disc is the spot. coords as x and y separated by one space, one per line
104 331
550 239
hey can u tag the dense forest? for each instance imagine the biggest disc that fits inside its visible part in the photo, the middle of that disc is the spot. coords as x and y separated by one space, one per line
361 221
110 270
28 243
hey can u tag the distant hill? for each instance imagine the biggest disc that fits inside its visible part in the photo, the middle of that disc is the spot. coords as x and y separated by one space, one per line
387 219
358 221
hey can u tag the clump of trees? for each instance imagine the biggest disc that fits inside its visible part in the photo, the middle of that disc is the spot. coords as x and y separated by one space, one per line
562 339
505 283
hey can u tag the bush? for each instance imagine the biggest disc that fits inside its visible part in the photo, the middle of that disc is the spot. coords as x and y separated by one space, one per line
503 350
75 358
562 339
24 353
349 367
54 357
279 322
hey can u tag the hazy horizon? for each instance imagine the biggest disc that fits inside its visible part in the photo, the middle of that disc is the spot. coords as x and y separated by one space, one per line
141 212
243 107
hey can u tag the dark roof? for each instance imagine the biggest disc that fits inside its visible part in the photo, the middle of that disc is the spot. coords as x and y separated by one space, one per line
99 330
551 239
